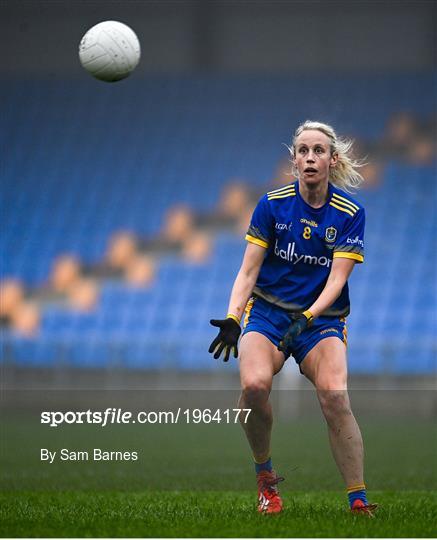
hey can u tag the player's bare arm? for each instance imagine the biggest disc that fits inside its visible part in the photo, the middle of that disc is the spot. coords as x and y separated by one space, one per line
337 278
246 279
229 328
340 272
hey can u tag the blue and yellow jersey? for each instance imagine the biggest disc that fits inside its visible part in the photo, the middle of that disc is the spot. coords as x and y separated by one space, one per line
301 243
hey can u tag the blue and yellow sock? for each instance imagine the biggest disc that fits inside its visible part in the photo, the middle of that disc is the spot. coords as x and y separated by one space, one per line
266 466
357 492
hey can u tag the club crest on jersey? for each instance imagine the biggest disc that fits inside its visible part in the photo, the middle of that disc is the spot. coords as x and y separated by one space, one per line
330 234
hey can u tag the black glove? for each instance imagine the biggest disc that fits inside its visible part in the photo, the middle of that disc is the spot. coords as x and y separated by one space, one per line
299 324
227 338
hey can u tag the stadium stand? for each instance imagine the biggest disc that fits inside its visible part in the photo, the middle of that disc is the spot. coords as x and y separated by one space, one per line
75 175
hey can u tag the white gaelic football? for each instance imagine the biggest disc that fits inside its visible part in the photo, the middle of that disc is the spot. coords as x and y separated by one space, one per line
110 51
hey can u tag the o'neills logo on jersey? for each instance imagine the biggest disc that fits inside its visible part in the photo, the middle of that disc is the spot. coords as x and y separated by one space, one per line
312 223
290 255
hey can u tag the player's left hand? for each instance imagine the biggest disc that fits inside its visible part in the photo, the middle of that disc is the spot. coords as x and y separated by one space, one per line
299 324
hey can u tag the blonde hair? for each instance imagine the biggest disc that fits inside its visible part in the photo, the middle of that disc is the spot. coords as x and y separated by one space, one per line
344 174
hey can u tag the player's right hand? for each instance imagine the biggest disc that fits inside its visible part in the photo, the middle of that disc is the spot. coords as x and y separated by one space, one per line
227 338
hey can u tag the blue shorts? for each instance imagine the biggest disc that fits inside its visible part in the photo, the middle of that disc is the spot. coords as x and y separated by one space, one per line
273 322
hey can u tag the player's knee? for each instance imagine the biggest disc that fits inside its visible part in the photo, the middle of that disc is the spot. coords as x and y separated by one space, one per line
331 383
334 403
255 392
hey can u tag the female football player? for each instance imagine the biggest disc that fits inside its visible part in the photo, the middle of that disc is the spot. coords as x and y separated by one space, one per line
304 240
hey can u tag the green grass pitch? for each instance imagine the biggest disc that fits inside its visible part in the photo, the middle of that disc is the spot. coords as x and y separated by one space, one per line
211 514
198 481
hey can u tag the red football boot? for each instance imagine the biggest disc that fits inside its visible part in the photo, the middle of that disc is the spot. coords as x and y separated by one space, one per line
358 507
269 500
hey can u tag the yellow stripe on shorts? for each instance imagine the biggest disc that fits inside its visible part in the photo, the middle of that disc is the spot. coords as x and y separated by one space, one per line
247 310
343 319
